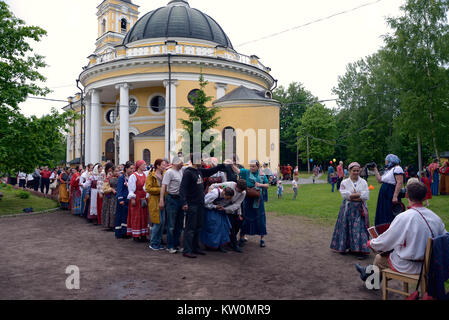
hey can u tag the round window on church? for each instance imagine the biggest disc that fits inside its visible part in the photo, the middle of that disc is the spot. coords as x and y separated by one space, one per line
192 95
157 104
111 116
132 106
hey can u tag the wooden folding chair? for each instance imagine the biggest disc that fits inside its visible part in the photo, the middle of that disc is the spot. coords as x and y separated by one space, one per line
407 279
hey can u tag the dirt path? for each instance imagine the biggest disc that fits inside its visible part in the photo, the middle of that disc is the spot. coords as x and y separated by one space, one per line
296 264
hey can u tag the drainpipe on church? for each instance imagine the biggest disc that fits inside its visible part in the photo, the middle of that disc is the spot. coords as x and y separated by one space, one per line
83 125
169 107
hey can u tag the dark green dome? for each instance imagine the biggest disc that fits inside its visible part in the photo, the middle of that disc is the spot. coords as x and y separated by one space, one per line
177 20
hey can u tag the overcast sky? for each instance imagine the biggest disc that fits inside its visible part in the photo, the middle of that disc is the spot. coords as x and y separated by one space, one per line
314 55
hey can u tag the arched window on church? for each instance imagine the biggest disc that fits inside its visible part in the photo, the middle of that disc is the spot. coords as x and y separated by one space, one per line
103 26
229 139
147 156
124 25
110 150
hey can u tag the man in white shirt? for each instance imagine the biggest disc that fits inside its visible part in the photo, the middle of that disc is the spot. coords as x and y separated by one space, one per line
22 176
407 236
170 200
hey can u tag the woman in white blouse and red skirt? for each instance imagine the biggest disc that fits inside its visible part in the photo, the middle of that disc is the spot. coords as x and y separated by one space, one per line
138 205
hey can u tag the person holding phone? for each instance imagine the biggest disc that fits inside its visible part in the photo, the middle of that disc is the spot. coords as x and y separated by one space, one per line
392 181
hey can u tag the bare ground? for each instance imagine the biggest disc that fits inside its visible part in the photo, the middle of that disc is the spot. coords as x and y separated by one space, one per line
296 264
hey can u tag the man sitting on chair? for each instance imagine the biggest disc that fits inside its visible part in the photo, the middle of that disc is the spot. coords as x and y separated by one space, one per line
407 236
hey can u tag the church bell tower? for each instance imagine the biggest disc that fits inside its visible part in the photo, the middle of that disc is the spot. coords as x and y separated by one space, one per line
115 19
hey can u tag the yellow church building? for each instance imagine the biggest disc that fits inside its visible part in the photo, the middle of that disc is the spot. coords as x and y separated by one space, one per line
144 70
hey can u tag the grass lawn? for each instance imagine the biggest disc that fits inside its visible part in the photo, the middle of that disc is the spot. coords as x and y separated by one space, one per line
316 201
11 204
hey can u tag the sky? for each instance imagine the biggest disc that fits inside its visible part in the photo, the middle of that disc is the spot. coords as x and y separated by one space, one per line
314 55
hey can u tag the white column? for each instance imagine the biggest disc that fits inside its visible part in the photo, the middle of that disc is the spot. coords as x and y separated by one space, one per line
221 89
124 122
69 149
95 128
170 118
87 129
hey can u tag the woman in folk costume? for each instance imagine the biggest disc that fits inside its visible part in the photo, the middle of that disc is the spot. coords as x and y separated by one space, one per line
216 227
63 193
153 186
138 205
444 180
92 183
351 229
392 181
75 192
101 179
434 177
121 217
109 208
254 222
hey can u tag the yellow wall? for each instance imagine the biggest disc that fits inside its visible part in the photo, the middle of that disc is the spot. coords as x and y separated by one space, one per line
157 149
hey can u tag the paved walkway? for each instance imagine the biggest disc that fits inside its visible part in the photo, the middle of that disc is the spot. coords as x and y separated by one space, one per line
307 181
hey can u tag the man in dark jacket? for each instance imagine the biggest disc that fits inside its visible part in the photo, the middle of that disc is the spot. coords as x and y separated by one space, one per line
191 193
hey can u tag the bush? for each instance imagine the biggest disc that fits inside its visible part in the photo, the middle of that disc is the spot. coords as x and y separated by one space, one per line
9 187
2 185
23 194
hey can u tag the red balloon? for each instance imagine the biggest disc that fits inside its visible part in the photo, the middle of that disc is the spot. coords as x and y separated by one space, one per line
331 162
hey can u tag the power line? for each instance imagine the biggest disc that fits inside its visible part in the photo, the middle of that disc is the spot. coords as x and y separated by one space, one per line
310 23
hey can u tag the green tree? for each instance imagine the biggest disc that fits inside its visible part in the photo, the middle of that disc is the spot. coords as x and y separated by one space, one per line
294 102
318 125
201 113
418 50
18 66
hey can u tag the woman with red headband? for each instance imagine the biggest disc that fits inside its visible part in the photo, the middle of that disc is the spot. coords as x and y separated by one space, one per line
138 205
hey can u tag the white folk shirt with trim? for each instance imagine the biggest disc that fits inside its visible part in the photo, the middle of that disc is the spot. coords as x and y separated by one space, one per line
348 186
389 176
407 237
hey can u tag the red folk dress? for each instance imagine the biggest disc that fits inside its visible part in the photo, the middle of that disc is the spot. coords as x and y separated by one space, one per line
137 216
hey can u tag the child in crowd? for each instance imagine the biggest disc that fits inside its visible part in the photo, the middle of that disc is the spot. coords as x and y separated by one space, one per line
295 189
426 181
280 189
333 180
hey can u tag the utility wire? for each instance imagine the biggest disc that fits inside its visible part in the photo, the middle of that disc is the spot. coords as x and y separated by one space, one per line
310 23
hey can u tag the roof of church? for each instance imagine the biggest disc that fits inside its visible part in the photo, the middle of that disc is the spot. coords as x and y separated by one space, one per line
243 93
156 132
178 20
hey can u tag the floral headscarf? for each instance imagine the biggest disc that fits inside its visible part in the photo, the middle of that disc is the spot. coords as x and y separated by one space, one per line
393 160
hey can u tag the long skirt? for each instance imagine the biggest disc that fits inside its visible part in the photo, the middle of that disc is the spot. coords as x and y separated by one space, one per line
92 213
254 219
121 220
216 229
435 183
444 184
138 218
108 211
384 212
351 229
99 207
76 200
63 196
83 202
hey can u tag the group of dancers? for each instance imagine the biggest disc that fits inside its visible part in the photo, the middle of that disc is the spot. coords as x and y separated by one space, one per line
211 203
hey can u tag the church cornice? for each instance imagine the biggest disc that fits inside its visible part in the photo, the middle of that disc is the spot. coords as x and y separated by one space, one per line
185 60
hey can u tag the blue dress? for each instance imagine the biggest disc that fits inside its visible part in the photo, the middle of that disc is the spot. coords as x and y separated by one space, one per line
216 229
435 183
254 219
121 217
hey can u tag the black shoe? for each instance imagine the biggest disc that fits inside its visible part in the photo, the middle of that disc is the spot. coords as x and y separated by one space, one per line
238 249
189 255
221 249
199 252
241 242
362 271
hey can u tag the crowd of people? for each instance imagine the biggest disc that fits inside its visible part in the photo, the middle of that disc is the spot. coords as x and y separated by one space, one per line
218 205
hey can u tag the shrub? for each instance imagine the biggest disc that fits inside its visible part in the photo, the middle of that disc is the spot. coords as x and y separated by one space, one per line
23 194
8 187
